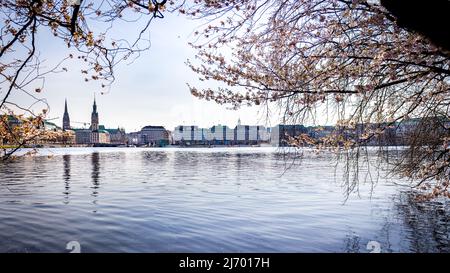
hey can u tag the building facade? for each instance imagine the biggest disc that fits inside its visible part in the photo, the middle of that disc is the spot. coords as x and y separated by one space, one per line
220 135
133 138
156 136
95 135
281 134
82 136
116 136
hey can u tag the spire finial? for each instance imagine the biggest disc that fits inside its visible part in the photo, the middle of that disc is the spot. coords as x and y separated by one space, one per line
94 107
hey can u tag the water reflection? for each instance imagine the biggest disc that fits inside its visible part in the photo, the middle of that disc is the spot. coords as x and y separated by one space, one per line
427 223
418 227
352 243
155 156
95 175
205 200
66 177
191 164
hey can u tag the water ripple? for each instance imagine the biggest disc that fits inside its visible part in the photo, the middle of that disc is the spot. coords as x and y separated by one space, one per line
201 200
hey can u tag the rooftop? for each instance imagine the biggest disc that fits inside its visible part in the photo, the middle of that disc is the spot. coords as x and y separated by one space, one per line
149 127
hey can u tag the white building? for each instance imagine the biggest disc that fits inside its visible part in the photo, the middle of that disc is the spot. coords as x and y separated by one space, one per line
229 134
217 133
264 134
220 135
185 133
253 133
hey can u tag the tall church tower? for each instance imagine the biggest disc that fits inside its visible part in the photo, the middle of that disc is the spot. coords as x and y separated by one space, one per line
94 124
66 119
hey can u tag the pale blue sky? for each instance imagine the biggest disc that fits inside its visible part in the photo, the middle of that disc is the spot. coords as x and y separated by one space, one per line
150 91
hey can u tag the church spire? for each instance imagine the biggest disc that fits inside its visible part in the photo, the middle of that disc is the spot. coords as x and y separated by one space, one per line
94 117
94 107
66 119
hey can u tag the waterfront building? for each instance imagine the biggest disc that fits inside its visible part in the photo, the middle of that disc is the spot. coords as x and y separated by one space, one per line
82 136
220 135
96 134
318 132
116 136
156 136
241 135
170 136
281 133
229 136
251 135
264 134
190 135
217 135
103 137
94 124
133 138
187 134
257 133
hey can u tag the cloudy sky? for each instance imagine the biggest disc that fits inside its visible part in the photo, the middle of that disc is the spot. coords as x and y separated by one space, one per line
150 91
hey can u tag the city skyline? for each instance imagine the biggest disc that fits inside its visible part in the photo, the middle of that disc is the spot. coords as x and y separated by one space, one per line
66 121
144 91
203 127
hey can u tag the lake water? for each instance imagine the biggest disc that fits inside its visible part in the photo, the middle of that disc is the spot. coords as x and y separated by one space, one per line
206 200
